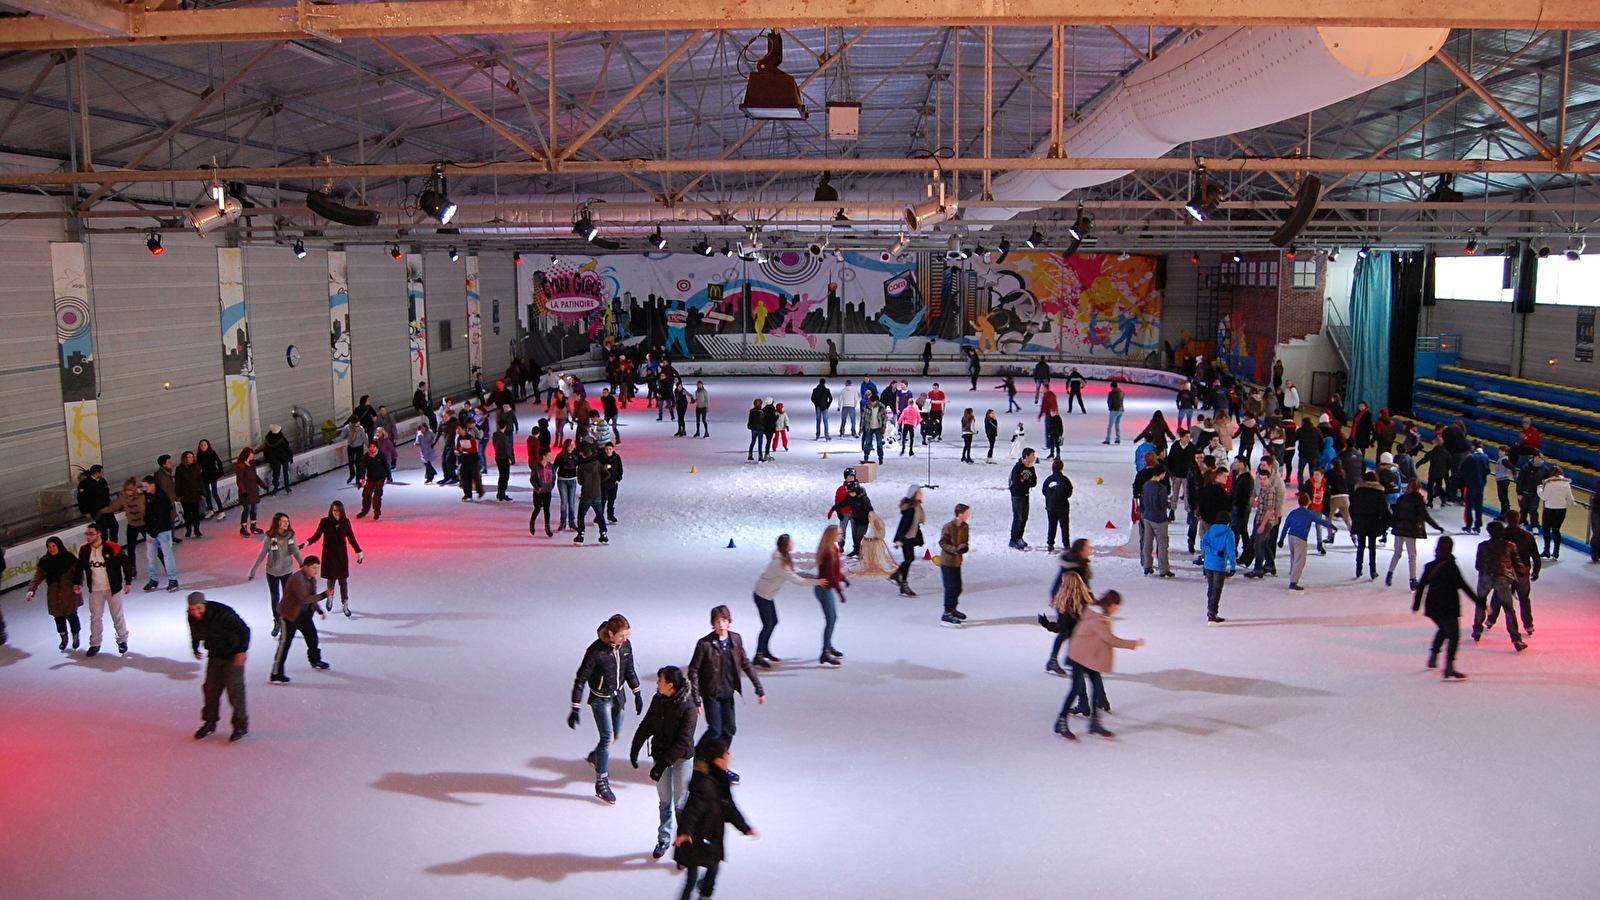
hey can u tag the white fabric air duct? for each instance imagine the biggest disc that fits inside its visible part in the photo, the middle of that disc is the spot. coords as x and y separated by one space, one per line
1225 81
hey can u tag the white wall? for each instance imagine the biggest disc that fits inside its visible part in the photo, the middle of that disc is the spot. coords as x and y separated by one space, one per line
33 441
1485 328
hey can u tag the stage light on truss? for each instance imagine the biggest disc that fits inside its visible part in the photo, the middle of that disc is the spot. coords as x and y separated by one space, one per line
153 243
299 249
435 197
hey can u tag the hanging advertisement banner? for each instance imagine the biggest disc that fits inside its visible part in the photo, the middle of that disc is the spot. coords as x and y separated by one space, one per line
75 339
417 315
1583 351
474 318
344 385
238 366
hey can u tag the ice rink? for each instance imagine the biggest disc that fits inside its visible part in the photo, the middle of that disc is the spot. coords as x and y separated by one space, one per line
1300 751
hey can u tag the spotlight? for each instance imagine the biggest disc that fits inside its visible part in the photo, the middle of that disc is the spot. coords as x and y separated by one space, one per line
1544 251
584 226
1293 250
1195 258
435 197
394 251
727 250
153 243
299 249
222 210
703 248
1238 258
516 258
656 240
1472 246
1333 255
898 245
1203 203
954 251
1005 249
1035 238
1364 252
922 214
453 254
1575 247
817 247
771 93
1081 226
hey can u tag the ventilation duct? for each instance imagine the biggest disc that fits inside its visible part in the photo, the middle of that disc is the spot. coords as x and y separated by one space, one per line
1226 81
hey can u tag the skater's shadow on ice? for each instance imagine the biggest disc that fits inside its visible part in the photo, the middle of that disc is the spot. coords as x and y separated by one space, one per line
175 670
1008 620
1207 683
412 620
387 640
1369 620
1246 718
549 867
10 656
446 786
880 673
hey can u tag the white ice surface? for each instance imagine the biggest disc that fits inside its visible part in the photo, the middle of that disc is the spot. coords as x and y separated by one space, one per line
1301 751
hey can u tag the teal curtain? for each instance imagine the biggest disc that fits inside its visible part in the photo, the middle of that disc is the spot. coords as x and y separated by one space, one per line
1371 304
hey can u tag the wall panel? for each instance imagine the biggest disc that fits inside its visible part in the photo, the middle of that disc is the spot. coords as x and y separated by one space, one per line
1551 333
288 303
497 281
446 286
32 433
379 335
1485 329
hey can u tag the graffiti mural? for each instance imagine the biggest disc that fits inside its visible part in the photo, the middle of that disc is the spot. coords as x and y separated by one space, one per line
876 303
75 340
344 387
238 366
417 315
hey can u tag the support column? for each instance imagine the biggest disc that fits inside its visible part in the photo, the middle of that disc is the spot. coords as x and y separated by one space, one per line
344 384
238 366
417 315
75 338
474 318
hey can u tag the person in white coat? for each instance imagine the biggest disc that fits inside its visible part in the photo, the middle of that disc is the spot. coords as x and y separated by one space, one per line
780 568
849 400
1556 493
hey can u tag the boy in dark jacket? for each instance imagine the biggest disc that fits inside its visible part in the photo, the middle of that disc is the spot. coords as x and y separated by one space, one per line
1442 585
669 726
226 637
714 676
1057 490
706 814
607 668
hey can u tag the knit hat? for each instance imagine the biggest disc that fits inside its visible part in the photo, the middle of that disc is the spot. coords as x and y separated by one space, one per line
912 491
275 429
1386 458
196 598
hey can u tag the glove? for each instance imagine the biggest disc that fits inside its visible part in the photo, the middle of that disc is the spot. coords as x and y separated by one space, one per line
962 550
638 704
572 718
657 770
360 557
634 760
1280 545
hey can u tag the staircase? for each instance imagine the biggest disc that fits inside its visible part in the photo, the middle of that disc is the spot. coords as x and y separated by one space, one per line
1338 325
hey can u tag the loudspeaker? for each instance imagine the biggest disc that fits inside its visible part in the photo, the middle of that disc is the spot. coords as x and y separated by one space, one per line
1305 206
334 211
1527 283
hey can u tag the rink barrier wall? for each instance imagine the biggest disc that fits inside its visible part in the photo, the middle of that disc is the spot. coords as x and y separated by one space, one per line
956 370
23 556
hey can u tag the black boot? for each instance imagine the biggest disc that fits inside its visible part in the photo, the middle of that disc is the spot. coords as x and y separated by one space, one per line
1433 658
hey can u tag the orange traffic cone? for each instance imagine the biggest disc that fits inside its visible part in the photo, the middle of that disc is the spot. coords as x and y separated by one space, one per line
927 554
693 471
1111 525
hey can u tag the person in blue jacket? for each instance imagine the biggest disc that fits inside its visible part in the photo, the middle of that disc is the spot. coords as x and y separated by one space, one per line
1218 549
1474 476
1296 528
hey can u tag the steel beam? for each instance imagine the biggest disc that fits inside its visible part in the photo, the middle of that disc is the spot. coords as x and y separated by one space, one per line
599 123
94 16
1538 143
393 19
464 103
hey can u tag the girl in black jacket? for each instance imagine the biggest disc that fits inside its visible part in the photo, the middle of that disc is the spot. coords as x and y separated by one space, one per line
1369 511
669 727
607 666
1411 521
991 430
705 816
211 471
908 537
1442 585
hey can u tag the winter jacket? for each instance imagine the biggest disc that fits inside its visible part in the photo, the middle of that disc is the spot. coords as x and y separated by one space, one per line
1497 559
221 630
753 420
909 532
705 668
1219 549
1239 494
1092 643
211 468
428 446
953 539
1057 491
1209 500
910 416
1474 472
821 397
1411 516
189 482
247 483
276 448
1526 548
1369 511
1114 399
60 598
165 484
1023 479
131 503
858 505
849 397
1180 458
875 417
504 454
281 552
705 815
604 671
299 593
94 495
769 419
335 534
375 467
612 462
1556 492
1441 586
542 477
591 478
157 512
118 565
1155 503
771 581
669 726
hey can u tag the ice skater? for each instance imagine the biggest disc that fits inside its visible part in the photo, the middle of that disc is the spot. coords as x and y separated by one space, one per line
829 587
300 599
1218 549
669 726
859 508
1411 518
1021 483
991 431
953 547
105 572
714 676
227 640
281 552
780 568
1296 529
335 533
1091 649
705 817
1442 586
1068 597
57 570
375 474
606 670
908 537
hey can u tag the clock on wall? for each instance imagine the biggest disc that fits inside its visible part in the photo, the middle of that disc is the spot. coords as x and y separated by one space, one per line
292 355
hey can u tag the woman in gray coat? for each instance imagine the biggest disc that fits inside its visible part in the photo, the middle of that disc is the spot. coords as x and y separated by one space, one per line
281 552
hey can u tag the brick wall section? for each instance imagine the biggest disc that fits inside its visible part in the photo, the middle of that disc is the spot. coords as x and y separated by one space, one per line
1299 311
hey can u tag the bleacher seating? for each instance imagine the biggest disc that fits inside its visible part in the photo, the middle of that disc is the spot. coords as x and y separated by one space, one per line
1493 407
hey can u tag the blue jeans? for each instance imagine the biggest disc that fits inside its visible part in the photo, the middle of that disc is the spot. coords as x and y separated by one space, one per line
1472 515
1114 421
608 720
569 501
1185 419
720 719
830 615
599 507
758 444
847 414
868 436
951 576
769 622
672 790
822 424
163 542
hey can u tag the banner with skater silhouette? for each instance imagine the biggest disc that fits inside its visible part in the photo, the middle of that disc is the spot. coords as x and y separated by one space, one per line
791 303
